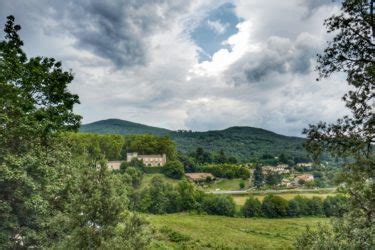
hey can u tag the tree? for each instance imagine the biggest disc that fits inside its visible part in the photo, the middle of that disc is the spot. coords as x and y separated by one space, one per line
34 168
219 205
274 206
273 179
252 207
258 176
352 52
242 184
95 218
221 158
174 169
335 206
34 96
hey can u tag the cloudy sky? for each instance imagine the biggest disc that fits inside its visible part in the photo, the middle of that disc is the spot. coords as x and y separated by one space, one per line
189 64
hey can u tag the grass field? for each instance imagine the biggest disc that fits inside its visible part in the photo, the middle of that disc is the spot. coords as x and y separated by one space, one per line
226 184
240 199
186 231
147 179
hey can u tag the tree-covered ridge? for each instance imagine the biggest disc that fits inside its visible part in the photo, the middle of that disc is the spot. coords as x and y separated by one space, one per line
241 142
117 126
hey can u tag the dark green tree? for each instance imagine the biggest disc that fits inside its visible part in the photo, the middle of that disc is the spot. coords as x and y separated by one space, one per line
258 176
274 206
34 168
174 169
252 207
352 52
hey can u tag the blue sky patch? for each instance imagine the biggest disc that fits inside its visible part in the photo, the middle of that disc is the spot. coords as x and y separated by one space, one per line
216 27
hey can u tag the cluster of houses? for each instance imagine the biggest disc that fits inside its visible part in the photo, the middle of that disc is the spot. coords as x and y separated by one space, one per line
283 169
161 160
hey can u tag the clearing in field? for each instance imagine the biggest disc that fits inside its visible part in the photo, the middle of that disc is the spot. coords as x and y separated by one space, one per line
218 232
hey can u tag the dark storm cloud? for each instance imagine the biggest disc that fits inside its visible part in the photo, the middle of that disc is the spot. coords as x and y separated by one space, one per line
278 56
119 30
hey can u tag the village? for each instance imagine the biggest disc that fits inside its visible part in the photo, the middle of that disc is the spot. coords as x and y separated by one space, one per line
288 177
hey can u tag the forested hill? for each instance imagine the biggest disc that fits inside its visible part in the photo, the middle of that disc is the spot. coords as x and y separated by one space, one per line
117 126
241 142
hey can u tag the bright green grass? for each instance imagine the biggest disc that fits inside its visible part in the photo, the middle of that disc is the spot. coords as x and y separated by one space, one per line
240 199
186 231
147 179
225 184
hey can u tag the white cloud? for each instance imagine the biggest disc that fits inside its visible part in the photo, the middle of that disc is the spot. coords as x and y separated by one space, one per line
276 40
217 26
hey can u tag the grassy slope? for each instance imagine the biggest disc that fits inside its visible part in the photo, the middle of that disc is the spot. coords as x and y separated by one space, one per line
147 179
226 184
218 232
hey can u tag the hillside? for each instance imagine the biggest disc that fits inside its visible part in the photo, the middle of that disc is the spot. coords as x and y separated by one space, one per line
241 142
117 126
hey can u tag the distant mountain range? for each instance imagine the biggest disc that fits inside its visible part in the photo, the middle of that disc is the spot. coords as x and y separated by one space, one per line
242 142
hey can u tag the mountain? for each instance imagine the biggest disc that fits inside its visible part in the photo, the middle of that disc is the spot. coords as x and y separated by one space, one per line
117 126
241 142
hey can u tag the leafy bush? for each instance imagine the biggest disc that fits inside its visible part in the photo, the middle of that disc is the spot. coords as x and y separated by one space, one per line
219 205
252 207
173 169
274 206
335 206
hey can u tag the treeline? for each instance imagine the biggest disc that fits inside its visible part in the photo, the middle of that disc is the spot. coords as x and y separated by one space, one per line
115 147
274 206
160 198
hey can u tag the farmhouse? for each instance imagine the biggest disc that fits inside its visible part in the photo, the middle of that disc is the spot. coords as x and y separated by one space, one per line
307 164
114 165
304 177
199 177
280 169
148 160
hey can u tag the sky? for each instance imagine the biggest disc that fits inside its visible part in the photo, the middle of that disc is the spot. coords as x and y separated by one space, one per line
189 64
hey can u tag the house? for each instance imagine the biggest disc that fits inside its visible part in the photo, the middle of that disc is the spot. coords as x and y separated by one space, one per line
148 160
308 164
199 177
304 178
114 165
280 169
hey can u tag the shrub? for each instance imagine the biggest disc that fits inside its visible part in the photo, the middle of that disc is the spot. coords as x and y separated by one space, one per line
252 207
242 184
136 176
219 205
274 206
335 206
293 208
174 169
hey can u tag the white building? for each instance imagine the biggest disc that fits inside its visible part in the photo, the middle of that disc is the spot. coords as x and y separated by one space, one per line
148 160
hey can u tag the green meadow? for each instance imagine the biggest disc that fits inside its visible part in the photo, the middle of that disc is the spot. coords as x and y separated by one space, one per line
189 231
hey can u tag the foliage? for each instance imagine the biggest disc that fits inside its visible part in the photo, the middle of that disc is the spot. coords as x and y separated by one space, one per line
273 179
252 207
34 96
35 107
274 206
173 169
228 171
50 196
335 206
95 213
219 205
352 52
258 176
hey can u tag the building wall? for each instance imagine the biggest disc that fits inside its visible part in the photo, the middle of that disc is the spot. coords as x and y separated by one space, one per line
148 160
